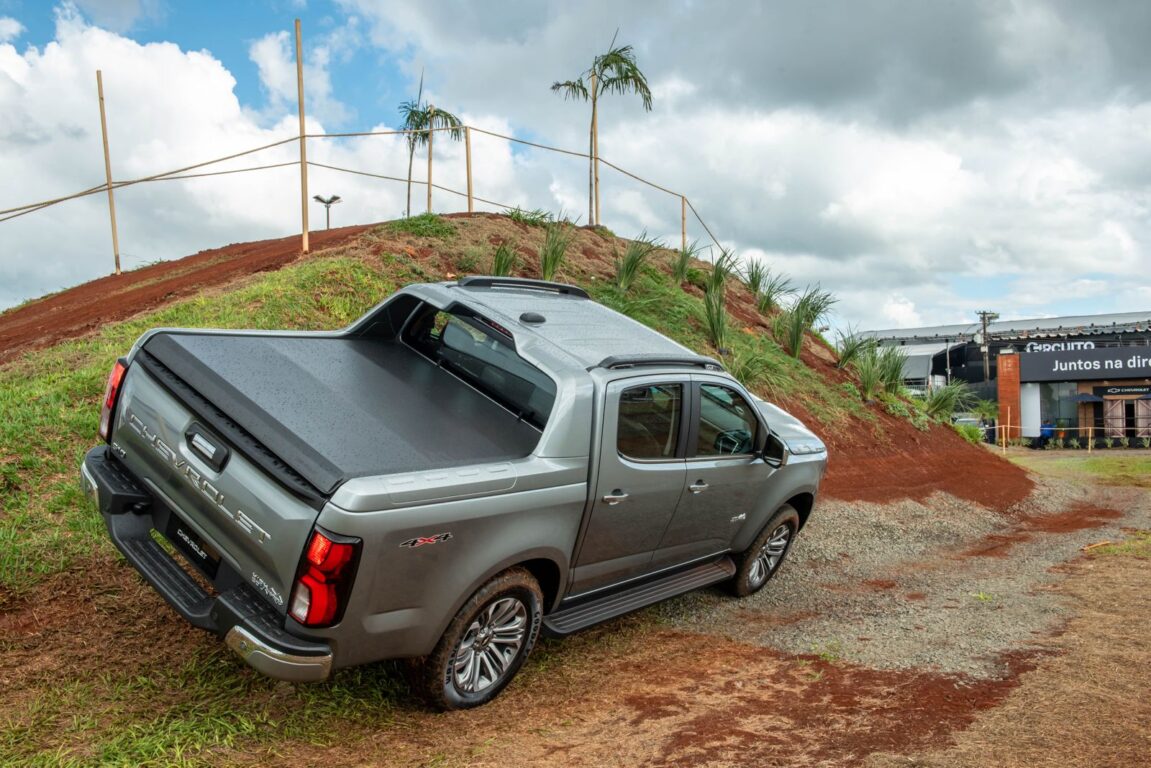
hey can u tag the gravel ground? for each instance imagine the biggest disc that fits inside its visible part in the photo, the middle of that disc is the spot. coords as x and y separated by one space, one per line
889 586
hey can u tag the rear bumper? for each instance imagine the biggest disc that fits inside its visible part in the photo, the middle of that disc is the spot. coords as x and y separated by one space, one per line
249 626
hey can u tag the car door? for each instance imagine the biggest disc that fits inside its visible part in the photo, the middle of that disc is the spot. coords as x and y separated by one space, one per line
724 478
640 480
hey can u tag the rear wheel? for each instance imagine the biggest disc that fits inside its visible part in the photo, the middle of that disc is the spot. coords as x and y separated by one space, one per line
762 559
486 644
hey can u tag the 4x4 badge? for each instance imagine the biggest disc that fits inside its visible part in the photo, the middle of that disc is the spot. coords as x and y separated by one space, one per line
419 541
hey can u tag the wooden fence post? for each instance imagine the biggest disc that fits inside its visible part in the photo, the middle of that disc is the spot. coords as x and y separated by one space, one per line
468 160
304 246
431 133
108 170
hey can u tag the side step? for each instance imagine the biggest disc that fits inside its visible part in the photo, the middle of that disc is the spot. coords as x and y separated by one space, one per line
568 620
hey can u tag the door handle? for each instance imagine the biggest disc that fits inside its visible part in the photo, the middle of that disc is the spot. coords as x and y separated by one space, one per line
615 497
698 486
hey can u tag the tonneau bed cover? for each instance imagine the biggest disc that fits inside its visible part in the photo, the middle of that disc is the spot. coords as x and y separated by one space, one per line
337 408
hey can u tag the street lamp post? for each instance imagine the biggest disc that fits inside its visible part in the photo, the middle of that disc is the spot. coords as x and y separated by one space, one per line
327 202
986 317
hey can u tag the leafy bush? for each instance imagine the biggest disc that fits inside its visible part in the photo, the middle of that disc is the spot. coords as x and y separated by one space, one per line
1073 443
557 238
851 390
969 432
1124 442
1145 442
504 260
424 225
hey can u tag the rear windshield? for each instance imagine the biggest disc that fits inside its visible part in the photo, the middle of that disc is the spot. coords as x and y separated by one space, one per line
482 354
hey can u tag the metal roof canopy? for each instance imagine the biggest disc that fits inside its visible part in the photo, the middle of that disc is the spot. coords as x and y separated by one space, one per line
920 357
1038 328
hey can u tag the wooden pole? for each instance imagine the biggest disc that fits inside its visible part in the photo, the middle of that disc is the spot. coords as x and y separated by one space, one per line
683 222
304 248
108 170
468 158
595 148
1090 438
1007 429
431 133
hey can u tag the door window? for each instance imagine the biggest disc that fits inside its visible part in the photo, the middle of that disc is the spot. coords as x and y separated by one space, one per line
727 423
649 419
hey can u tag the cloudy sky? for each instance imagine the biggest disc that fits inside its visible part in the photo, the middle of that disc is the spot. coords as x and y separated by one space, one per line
921 159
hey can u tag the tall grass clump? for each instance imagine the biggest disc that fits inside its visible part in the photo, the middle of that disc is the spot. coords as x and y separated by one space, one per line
943 401
715 301
891 360
504 260
811 307
557 238
755 274
682 261
756 370
772 291
627 268
537 217
851 345
868 371
424 225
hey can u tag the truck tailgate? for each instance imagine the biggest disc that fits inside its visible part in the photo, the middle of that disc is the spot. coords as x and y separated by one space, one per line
337 408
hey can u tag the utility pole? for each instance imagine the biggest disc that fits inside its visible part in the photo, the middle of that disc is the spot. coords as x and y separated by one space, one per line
986 317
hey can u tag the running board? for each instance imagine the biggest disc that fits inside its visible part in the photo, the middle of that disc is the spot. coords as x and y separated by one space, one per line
569 620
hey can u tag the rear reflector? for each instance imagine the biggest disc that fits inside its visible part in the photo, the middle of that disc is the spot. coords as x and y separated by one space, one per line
325 580
111 394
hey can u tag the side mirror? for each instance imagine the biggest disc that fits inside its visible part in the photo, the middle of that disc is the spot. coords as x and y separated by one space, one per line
774 451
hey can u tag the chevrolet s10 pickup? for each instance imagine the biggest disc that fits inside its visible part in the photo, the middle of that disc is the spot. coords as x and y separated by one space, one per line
469 464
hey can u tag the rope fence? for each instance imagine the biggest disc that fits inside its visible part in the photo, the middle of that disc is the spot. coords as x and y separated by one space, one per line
184 173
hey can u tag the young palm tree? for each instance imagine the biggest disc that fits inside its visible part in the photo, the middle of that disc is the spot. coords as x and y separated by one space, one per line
613 72
420 119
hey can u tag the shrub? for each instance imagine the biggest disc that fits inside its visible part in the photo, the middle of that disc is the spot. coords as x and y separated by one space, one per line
869 372
755 275
891 360
1145 442
1124 442
715 317
851 390
969 432
1073 443
1108 441
557 238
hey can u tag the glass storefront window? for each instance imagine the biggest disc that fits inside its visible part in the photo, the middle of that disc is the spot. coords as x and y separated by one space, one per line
1056 406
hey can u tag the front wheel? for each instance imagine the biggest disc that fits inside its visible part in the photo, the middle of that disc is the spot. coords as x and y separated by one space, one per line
763 558
486 644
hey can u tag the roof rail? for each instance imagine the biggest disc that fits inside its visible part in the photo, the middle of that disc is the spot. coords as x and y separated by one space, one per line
522 282
615 362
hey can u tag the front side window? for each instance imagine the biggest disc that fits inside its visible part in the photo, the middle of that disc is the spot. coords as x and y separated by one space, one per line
727 422
649 419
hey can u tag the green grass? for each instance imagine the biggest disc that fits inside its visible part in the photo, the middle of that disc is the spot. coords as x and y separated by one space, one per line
51 403
1114 467
536 217
424 225
1138 544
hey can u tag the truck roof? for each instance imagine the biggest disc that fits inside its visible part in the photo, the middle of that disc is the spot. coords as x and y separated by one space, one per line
585 331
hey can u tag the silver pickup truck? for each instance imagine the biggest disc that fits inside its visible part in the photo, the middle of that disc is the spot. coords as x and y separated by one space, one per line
467 464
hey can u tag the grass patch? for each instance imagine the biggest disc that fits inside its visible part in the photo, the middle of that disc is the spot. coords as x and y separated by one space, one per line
1138 544
1102 466
424 225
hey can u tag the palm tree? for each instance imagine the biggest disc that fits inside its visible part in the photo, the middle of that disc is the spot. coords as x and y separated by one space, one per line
611 72
420 119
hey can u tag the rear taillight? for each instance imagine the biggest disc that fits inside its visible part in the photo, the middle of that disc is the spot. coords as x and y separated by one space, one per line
321 591
111 393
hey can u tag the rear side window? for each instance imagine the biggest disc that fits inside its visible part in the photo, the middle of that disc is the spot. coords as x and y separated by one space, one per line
649 421
727 422
477 352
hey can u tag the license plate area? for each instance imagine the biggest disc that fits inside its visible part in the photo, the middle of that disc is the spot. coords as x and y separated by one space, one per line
190 544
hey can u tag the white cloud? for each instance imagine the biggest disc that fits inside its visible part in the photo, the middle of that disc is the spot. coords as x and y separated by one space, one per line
120 15
10 29
275 58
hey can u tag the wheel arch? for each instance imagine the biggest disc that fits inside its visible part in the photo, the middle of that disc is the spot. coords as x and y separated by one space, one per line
802 503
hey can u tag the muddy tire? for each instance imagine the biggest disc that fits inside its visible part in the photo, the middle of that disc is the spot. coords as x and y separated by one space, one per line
762 560
485 645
